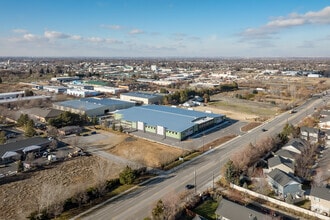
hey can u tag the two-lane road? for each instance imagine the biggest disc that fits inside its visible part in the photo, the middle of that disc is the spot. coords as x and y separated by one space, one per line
139 203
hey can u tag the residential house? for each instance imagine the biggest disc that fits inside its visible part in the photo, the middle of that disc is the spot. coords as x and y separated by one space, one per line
320 200
228 210
42 114
278 162
284 184
325 113
296 145
310 134
327 138
286 154
324 123
69 130
14 150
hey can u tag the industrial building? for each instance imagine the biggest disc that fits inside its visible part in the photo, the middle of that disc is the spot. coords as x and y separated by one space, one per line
167 121
64 79
82 92
92 106
55 89
11 95
142 97
108 89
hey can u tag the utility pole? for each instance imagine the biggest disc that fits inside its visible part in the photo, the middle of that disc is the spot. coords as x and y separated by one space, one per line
213 180
195 180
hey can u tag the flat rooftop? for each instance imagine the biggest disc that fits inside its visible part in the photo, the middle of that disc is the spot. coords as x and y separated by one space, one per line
174 119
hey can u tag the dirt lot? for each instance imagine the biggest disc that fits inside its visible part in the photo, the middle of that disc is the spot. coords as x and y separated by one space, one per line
145 152
25 193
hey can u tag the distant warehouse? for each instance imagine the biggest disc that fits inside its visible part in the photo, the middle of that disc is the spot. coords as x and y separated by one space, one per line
167 121
142 97
92 106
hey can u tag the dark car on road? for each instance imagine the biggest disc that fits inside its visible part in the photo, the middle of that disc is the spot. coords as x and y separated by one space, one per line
189 186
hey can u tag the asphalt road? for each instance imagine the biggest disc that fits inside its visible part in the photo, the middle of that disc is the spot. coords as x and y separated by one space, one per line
138 203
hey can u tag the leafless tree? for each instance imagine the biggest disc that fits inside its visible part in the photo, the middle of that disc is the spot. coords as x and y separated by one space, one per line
59 195
80 195
30 156
320 178
52 132
53 144
102 171
171 205
260 183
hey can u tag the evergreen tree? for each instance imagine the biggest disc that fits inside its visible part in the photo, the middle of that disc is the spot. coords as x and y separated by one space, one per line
29 130
158 211
127 176
22 120
2 137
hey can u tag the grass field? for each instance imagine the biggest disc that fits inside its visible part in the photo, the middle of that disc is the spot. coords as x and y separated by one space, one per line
245 108
207 209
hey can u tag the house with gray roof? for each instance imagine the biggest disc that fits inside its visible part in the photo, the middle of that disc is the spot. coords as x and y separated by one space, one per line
177 123
278 162
310 134
14 150
228 210
287 154
324 123
296 145
320 200
284 184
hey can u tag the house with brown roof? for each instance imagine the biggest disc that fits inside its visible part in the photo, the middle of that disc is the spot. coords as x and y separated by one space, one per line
42 114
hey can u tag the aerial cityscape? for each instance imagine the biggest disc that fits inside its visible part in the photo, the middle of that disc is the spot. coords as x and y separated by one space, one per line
164 109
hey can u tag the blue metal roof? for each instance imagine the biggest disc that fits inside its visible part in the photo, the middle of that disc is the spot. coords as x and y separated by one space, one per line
90 103
104 101
174 119
141 95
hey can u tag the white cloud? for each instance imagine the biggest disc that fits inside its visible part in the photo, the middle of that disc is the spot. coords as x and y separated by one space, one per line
113 41
291 20
76 37
56 35
95 39
136 31
112 27
19 31
31 37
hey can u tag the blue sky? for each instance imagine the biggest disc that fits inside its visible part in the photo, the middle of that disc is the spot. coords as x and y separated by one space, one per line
165 28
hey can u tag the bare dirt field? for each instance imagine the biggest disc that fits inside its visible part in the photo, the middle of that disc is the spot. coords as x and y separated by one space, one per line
145 152
27 192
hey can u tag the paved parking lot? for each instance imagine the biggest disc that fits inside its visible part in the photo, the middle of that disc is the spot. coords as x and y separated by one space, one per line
197 141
